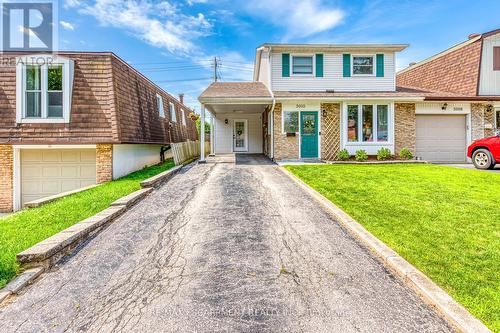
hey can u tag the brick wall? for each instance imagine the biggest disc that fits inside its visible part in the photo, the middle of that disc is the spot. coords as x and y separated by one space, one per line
6 178
330 131
405 128
104 163
284 147
457 72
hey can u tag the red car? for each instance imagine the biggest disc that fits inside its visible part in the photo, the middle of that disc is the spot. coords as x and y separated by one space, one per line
485 153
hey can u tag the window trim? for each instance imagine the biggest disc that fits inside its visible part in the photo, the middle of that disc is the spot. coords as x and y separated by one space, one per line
159 105
173 114
390 128
283 121
374 66
312 56
44 61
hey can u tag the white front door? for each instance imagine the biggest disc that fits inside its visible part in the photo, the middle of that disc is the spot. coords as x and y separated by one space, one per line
240 135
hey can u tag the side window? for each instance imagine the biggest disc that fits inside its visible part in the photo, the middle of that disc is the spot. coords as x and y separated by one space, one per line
173 115
496 58
159 103
183 115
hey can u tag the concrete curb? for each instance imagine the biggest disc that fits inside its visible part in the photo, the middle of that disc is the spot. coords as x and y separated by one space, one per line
454 313
42 201
161 177
132 198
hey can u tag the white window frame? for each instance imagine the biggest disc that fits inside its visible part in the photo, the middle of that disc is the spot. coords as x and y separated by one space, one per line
390 130
283 121
173 115
44 61
303 55
374 69
159 102
183 115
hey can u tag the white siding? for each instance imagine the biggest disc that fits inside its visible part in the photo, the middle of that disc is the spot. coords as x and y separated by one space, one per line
489 82
129 158
224 132
437 108
333 77
264 69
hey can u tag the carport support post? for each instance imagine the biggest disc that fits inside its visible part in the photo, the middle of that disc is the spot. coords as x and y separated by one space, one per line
202 134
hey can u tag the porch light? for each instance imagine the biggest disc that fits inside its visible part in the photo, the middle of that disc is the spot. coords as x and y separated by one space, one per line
445 105
226 121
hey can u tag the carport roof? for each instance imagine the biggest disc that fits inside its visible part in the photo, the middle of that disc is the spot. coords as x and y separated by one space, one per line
236 90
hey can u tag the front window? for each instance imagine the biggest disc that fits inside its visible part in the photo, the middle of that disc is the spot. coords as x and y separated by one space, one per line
290 122
368 123
362 65
159 103
302 65
44 85
497 119
173 116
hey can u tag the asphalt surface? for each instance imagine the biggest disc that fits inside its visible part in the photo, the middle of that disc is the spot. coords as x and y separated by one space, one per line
222 248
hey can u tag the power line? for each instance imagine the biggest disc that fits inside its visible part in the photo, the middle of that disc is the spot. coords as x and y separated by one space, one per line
182 80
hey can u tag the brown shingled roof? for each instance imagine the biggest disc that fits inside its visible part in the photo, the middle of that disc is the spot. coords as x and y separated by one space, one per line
236 90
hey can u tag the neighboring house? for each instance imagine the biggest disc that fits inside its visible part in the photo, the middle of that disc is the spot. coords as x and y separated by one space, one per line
310 101
79 118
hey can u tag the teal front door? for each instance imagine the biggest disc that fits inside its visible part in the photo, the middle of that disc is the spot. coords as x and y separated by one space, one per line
309 134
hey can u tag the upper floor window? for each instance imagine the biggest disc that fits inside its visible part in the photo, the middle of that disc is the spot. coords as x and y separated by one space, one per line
171 109
496 58
43 85
183 115
362 65
159 103
368 123
302 65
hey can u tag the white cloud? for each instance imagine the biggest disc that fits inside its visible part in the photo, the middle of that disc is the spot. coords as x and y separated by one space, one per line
300 18
67 25
158 24
71 3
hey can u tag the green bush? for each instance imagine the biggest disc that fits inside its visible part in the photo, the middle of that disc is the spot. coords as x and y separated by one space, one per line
406 154
384 154
343 155
361 155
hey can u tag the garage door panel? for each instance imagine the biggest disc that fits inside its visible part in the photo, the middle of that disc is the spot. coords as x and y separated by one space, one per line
47 172
441 138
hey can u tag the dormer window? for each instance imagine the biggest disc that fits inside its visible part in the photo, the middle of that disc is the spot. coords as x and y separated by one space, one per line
302 65
43 88
362 65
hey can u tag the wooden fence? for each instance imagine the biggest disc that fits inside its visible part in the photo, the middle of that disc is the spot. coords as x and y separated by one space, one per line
184 151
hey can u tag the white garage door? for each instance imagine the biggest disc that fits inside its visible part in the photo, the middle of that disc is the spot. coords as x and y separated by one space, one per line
441 138
46 172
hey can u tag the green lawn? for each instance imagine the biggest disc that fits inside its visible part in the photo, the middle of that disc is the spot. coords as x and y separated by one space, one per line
22 230
444 220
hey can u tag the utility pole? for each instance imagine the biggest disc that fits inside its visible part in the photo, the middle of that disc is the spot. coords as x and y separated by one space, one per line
215 68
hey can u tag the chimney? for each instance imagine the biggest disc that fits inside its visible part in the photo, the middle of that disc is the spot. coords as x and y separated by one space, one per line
181 98
412 64
474 35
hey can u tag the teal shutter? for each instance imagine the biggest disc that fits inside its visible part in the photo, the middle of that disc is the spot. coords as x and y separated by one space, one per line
285 65
347 65
380 65
319 65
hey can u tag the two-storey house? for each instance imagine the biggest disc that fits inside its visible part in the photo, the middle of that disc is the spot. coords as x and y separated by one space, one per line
79 118
311 101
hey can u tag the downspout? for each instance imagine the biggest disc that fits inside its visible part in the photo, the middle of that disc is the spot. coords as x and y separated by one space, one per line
274 103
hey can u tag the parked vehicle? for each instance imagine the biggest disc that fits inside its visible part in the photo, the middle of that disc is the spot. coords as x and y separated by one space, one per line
485 153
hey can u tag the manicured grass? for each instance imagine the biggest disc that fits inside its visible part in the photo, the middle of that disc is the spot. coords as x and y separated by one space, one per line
443 220
30 226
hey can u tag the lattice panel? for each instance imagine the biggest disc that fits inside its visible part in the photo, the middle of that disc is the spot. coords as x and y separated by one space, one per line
330 131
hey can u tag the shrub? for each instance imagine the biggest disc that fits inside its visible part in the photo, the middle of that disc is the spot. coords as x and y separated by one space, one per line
406 154
361 155
383 154
343 155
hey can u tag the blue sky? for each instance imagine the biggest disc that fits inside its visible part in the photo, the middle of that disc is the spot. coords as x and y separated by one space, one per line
173 42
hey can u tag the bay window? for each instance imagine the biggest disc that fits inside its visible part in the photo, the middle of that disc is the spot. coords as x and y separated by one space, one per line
290 122
43 89
367 123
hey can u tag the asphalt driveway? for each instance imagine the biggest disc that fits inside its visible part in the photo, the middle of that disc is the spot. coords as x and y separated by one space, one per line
222 247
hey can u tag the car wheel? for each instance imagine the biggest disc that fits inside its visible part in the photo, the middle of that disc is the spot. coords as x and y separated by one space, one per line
482 159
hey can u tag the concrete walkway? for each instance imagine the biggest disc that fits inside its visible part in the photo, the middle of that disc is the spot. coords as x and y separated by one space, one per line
223 247
470 166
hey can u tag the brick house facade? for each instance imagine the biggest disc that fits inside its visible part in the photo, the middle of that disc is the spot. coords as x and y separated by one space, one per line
113 114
